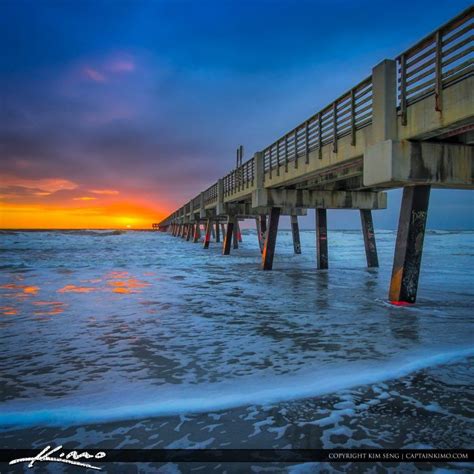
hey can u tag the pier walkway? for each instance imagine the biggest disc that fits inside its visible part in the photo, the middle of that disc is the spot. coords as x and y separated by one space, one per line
409 124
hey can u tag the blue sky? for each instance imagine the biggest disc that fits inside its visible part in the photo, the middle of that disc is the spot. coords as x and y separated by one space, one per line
151 99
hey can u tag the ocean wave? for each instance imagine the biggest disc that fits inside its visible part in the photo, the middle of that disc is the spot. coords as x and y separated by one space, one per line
93 233
108 407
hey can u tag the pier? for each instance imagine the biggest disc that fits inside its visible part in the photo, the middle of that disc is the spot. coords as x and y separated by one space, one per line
409 124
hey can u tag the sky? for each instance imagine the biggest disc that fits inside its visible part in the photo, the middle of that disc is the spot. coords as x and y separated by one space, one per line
115 113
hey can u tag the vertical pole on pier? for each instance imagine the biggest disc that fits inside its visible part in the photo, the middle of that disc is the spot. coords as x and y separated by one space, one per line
207 237
190 231
270 240
369 238
213 234
228 236
295 231
179 230
185 230
223 230
409 245
322 239
197 232
218 234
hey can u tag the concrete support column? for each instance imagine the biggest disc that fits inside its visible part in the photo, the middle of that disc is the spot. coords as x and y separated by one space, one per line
295 231
189 232
218 234
223 230
270 240
239 232
261 225
228 236
197 232
213 233
207 237
185 231
321 239
235 235
369 238
409 245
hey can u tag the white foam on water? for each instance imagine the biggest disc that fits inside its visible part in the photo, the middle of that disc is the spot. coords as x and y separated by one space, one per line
151 402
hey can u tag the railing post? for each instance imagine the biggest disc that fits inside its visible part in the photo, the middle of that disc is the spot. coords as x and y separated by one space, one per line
438 73
202 211
296 147
220 197
384 119
259 170
320 138
403 89
278 158
353 119
306 141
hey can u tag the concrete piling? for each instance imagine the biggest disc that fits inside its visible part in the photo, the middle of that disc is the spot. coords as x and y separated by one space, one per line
409 245
270 240
197 232
235 236
321 239
228 236
295 231
207 237
261 223
189 232
239 233
369 238
217 233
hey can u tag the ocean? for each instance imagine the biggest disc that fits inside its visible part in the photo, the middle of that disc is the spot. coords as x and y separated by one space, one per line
114 339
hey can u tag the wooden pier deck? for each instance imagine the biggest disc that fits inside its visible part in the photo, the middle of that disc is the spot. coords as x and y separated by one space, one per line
409 124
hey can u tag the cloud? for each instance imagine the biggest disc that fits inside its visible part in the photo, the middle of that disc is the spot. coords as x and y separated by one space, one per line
85 198
121 65
104 191
38 187
94 75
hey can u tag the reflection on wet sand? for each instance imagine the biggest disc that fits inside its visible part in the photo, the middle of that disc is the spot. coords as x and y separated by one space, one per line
26 289
49 308
76 289
130 285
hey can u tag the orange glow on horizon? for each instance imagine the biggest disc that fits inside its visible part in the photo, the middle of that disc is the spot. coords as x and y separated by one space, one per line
82 214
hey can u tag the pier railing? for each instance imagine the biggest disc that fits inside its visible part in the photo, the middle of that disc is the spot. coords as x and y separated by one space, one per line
438 60
240 179
210 194
347 114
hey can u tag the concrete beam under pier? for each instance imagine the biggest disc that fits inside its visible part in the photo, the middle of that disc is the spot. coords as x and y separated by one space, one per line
392 164
298 198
